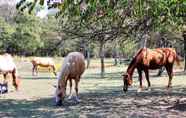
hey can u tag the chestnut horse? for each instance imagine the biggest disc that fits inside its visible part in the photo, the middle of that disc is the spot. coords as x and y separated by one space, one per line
7 66
146 59
72 68
42 62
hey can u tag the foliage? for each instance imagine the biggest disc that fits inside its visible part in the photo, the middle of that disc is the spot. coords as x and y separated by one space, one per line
6 31
128 48
105 20
108 20
27 35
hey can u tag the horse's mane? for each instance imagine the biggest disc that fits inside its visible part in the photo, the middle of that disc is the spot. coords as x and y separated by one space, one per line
135 57
64 68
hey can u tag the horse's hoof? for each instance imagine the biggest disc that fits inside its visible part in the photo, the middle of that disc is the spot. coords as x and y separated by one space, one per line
17 89
149 89
77 100
70 97
59 103
139 90
124 90
168 87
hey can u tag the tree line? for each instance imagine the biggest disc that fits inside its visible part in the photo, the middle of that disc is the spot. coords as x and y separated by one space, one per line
96 24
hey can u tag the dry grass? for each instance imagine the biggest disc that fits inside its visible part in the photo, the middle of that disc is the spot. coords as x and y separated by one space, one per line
100 97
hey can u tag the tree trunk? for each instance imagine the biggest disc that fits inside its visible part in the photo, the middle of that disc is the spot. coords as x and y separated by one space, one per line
115 61
115 56
88 57
143 42
184 36
101 52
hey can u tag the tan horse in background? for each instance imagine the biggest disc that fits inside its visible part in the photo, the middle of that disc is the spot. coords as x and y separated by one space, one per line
42 62
146 59
7 66
72 68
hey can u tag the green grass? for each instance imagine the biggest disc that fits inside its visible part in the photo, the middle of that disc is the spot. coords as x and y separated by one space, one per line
100 97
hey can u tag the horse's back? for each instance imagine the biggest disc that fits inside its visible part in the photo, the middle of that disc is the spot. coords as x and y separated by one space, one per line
170 53
73 65
155 58
77 62
6 63
42 61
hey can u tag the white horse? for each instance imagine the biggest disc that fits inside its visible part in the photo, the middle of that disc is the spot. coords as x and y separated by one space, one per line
42 62
7 66
72 68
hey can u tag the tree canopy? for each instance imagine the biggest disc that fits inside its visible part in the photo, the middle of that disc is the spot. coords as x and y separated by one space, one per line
103 21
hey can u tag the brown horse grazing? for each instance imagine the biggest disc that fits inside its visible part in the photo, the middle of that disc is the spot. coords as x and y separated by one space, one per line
7 66
42 62
72 68
146 59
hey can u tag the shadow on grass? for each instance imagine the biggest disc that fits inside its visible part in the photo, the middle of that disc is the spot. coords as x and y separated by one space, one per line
38 77
115 75
118 75
102 102
179 106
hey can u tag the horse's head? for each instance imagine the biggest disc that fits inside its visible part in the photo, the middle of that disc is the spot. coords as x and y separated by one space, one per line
60 95
127 80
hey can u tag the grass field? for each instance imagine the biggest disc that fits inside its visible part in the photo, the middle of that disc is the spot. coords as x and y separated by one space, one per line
100 97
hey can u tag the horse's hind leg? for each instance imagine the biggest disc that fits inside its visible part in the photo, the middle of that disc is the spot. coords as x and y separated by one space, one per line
169 69
147 78
36 69
33 69
15 84
54 70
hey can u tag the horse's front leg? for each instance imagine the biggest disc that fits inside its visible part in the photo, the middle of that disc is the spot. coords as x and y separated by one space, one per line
33 69
140 80
15 81
147 78
5 83
5 79
76 88
54 70
70 83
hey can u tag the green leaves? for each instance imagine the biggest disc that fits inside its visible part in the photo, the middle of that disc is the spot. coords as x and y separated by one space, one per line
6 30
19 4
41 2
112 19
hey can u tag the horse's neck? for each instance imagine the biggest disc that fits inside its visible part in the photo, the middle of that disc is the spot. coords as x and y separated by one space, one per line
131 68
63 82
